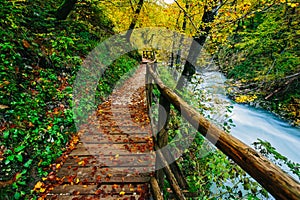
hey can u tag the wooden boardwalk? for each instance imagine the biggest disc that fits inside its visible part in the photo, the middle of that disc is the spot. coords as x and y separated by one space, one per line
114 158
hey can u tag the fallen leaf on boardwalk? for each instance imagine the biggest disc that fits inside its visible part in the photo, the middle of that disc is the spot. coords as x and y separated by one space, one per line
38 185
98 178
58 166
77 180
76 192
115 186
70 179
97 192
75 168
122 193
109 175
82 163
139 189
42 190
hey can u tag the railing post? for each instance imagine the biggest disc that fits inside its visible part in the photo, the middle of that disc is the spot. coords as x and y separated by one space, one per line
157 194
171 170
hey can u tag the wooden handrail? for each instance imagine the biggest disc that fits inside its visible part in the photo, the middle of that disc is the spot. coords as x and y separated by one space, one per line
270 176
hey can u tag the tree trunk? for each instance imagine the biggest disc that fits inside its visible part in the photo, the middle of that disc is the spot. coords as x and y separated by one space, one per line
64 10
184 23
134 20
189 68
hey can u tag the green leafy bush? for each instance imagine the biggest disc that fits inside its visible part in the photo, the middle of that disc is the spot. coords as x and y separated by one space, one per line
39 59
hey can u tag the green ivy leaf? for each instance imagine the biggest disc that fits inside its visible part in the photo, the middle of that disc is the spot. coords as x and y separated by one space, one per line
17 195
11 157
28 163
5 134
19 148
19 157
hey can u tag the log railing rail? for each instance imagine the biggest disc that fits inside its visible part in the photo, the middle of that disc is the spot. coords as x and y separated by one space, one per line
271 177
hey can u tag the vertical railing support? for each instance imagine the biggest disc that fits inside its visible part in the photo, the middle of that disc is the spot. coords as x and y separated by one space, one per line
163 161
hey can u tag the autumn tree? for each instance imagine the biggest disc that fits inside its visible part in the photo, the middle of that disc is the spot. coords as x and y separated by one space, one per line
134 20
210 11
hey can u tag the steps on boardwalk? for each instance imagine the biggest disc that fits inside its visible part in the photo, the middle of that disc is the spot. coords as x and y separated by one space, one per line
112 191
114 158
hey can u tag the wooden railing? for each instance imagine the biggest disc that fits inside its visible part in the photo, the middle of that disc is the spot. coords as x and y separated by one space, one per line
271 177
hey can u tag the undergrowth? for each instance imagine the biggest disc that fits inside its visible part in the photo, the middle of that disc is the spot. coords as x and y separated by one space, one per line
38 63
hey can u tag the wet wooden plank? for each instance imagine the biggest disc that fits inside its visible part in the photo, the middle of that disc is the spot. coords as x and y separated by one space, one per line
105 172
125 122
104 179
116 139
95 197
116 130
83 149
110 161
92 189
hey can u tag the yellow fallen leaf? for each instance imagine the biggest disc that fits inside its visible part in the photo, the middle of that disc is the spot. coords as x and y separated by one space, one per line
42 190
81 162
38 185
122 193
77 180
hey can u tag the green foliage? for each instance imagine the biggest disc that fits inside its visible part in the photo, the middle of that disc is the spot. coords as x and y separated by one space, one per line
38 62
262 59
270 152
209 172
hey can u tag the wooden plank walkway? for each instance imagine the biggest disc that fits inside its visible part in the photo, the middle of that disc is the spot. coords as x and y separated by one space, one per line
114 158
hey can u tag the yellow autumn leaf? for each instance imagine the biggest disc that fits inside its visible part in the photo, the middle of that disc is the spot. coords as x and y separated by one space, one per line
81 162
77 180
38 184
293 5
122 193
